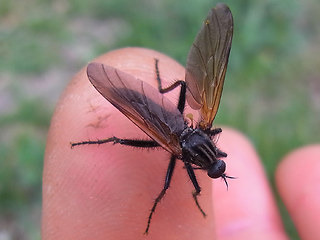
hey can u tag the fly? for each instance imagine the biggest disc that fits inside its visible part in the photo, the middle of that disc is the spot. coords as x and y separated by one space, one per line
164 122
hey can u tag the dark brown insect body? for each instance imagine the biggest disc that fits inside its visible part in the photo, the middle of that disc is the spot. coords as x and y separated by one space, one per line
160 119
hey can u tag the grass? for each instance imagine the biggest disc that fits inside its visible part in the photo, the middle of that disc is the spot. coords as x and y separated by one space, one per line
269 93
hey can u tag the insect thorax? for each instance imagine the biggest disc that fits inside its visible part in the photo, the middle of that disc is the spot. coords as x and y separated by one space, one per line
198 148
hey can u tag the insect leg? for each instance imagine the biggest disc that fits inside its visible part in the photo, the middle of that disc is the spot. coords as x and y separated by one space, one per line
220 153
163 192
127 142
196 186
182 97
213 132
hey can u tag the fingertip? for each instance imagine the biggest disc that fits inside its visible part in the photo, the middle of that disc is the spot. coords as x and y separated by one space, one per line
84 187
297 179
247 210
98 191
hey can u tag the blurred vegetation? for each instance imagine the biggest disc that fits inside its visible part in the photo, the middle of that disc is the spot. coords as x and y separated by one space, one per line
271 92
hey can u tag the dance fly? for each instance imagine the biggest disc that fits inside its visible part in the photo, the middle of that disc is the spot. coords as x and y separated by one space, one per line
161 120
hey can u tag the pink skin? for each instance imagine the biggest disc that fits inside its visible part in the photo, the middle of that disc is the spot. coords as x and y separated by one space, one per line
106 192
298 177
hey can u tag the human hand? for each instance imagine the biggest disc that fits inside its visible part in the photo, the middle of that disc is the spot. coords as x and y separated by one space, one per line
106 191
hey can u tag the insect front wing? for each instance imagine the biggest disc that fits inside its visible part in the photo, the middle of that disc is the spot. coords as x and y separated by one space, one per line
152 112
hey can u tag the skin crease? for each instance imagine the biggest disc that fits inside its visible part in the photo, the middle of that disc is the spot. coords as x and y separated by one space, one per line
106 191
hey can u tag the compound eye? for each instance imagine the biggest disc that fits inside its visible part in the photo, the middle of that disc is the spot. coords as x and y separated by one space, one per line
217 169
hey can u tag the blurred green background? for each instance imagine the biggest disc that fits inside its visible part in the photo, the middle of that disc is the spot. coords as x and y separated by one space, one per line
272 91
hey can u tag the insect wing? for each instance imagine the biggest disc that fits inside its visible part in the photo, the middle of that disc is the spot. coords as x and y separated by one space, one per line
207 63
141 103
